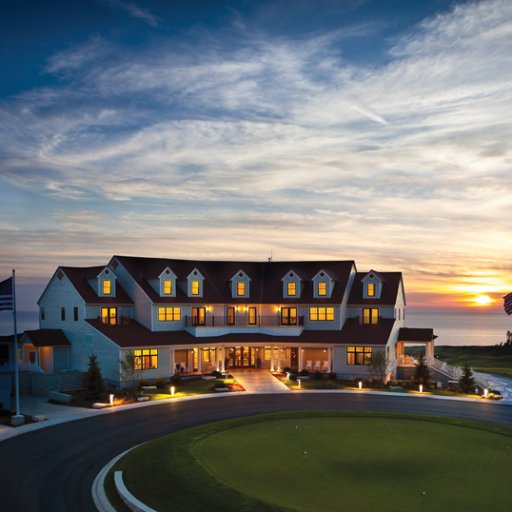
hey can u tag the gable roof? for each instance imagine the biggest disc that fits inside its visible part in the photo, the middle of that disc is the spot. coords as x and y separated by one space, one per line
416 334
390 285
46 338
266 284
79 278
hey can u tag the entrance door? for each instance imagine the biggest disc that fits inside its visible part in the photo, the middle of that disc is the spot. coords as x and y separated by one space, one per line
198 316
242 357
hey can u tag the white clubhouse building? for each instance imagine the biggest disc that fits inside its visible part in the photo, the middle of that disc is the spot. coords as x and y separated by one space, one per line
180 316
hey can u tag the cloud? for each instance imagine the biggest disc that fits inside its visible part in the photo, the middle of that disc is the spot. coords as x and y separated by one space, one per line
201 148
133 10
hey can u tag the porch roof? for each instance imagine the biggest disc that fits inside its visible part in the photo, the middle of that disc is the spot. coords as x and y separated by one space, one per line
416 334
136 335
46 338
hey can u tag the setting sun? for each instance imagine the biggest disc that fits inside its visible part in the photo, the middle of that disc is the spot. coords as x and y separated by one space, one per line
482 300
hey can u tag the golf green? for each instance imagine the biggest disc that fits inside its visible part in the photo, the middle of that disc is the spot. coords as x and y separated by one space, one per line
328 462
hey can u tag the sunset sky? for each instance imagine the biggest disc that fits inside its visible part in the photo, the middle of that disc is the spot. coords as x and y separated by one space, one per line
379 131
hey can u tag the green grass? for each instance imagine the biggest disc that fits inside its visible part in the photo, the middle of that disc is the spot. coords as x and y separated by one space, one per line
489 359
354 461
188 387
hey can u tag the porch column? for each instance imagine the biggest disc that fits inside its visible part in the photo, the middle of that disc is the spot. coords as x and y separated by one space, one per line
429 350
271 358
222 359
173 362
329 359
301 357
279 359
199 359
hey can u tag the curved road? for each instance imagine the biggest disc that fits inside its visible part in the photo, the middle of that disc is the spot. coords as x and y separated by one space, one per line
52 469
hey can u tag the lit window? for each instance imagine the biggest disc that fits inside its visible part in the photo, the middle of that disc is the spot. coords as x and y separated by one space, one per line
252 316
358 355
195 288
145 359
370 290
322 288
240 289
288 316
109 316
321 314
107 287
169 314
230 315
370 315
167 287
292 289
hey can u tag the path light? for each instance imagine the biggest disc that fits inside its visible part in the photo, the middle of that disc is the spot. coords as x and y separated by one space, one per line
360 384
173 390
288 375
299 382
421 388
486 393
111 399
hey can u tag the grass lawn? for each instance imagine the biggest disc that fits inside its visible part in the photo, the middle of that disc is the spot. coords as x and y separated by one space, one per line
326 460
490 359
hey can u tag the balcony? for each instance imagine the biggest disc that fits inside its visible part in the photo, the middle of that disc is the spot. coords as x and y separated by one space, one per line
211 325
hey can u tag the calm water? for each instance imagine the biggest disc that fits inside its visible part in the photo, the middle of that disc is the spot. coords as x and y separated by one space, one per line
452 328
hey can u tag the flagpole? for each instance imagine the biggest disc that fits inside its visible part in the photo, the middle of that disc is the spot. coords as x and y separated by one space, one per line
16 370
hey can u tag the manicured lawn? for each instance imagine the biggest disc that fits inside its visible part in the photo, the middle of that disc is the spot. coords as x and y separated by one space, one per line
186 387
329 461
489 359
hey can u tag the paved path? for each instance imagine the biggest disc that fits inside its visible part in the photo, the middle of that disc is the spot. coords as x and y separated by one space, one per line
259 381
501 383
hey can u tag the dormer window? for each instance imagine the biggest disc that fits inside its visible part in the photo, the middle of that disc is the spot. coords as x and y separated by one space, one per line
240 285
195 284
291 285
322 285
370 289
167 283
106 283
291 289
372 285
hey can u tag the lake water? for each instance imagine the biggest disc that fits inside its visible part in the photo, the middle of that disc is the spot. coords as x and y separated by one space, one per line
452 328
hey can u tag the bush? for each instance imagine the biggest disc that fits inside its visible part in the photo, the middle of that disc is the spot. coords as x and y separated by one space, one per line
160 382
304 372
92 382
220 384
287 369
318 375
216 374
293 376
332 376
175 379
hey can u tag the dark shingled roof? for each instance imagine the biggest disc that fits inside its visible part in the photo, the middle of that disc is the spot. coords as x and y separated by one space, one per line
415 334
79 277
46 338
390 285
266 286
136 335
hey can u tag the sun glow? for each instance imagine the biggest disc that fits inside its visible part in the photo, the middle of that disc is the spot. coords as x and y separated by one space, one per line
482 300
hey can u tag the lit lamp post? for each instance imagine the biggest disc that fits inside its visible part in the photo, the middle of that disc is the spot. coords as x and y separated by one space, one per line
421 388
360 384
111 399
173 390
486 393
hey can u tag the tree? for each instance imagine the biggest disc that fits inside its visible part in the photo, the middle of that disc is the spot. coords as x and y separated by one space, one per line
92 382
508 343
131 371
421 372
467 382
378 366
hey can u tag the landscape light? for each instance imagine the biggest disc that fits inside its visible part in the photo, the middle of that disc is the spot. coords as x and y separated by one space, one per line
421 388
111 399
299 381
360 384
173 390
486 393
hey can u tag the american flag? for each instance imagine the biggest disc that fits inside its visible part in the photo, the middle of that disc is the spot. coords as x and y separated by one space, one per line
507 304
6 296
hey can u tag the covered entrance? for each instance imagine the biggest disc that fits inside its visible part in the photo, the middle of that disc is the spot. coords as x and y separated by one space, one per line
244 357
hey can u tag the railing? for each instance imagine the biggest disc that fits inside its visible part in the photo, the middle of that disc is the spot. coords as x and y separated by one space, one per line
242 321
452 372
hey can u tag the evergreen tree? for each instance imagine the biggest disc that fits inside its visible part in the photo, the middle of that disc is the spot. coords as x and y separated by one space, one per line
467 382
421 372
93 381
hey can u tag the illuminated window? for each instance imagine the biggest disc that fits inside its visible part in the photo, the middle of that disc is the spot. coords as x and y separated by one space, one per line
167 287
107 287
169 314
321 314
359 355
199 316
109 316
288 316
292 289
370 315
322 288
370 289
206 355
145 359
240 289
251 316
194 288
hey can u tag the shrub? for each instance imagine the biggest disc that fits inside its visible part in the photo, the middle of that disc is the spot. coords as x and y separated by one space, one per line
293 376
332 376
94 388
318 375
304 372
175 379
160 382
216 374
220 384
287 369
467 381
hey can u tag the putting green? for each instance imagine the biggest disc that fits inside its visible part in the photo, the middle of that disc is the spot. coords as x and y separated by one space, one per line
327 462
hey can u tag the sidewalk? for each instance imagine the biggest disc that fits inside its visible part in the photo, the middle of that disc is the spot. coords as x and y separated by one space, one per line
259 381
